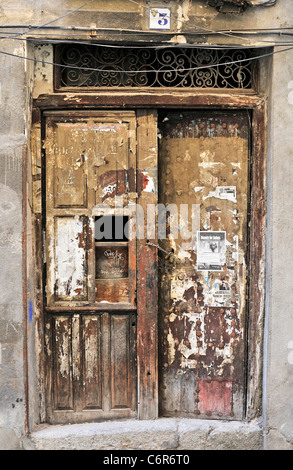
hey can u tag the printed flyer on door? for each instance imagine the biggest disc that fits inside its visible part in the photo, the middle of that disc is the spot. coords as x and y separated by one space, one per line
211 251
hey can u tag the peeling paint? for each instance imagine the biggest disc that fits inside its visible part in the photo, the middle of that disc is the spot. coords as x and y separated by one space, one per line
205 320
223 192
182 13
69 258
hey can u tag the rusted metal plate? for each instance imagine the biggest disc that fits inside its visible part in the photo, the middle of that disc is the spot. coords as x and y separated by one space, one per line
204 166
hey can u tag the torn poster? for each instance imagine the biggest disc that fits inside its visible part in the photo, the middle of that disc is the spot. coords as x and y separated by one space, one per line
211 251
223 297
223 192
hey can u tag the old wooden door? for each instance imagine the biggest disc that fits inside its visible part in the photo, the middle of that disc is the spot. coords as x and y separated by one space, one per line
204 170
101 289
90 164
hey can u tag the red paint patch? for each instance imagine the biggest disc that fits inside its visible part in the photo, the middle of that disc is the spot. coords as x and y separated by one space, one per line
144 181
215 397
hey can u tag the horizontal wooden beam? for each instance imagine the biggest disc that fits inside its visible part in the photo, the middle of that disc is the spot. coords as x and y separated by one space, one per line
126 99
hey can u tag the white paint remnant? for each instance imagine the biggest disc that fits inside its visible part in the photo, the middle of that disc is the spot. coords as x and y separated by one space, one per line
149 186
182 13
197 189
223 192
209 164
109 189
180 286
192 347
226 353
172 317
179 39
238 164
183 254
171 347
255 3
186 363
69 257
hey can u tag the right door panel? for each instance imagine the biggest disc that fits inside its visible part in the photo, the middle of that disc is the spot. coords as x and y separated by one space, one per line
204 176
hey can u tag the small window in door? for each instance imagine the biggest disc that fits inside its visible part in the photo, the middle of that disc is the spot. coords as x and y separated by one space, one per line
111 247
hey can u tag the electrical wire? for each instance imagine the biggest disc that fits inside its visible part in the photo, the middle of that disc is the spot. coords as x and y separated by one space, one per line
230 34
257 44
237 31
188 69
197 25
49 22
210 31
161 46
205 31
281 28
148 46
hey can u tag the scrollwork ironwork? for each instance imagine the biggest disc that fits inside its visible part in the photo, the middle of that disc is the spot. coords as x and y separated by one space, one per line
90 66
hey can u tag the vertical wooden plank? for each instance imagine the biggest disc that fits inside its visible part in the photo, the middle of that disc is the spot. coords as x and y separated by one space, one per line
92 365
63 392
257 264
106 349
36 152
76 360
48 370
120 362
147 297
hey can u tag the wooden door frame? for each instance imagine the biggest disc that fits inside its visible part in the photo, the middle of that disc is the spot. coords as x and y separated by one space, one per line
147 328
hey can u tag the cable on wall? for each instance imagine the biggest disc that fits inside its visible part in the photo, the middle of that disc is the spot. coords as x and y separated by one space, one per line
146 71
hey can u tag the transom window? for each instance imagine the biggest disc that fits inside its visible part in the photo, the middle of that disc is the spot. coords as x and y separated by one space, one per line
90 66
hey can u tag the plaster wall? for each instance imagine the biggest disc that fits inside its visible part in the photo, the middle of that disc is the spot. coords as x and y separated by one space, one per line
279 361
12 140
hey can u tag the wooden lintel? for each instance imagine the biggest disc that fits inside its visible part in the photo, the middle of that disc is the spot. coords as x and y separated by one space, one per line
148 100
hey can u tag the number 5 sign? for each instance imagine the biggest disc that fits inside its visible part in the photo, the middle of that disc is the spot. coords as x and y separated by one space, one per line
160 18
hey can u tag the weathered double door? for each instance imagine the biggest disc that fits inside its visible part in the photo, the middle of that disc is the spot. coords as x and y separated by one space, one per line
142 320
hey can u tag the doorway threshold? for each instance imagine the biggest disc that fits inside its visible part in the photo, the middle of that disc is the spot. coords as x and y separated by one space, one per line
160 434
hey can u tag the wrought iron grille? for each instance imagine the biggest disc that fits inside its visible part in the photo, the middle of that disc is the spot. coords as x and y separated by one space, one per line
89 66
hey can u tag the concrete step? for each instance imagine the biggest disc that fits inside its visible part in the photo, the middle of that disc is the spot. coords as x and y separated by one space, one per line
161 434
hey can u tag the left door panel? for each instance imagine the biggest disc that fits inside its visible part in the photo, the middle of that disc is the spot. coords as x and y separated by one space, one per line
90 167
